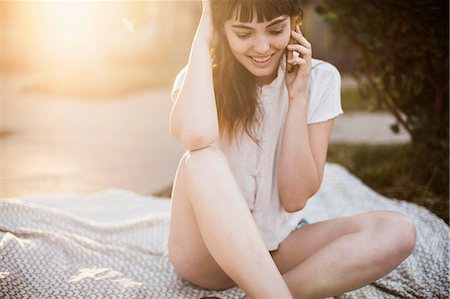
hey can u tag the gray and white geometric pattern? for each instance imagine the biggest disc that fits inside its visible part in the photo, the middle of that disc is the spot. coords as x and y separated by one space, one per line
59 252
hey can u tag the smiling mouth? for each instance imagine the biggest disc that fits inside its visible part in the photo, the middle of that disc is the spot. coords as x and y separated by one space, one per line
261 59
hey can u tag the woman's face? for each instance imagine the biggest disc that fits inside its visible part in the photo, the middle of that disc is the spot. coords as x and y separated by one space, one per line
259 46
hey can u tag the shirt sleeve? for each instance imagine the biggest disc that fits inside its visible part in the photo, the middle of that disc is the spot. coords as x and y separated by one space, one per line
178 82
325 94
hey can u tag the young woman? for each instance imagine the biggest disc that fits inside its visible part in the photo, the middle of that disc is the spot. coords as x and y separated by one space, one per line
257 139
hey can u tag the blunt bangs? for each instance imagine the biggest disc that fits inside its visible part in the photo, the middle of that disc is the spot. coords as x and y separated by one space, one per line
266 10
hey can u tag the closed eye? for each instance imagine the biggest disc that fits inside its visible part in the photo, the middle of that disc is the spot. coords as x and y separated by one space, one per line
276 32
243 35
246 35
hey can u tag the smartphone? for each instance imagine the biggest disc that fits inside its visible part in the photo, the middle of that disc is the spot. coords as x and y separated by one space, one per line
295 20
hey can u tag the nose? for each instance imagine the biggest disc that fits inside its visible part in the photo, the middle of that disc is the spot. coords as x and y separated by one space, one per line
261 45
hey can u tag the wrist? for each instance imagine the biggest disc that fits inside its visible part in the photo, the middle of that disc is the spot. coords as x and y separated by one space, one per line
300 99
298 107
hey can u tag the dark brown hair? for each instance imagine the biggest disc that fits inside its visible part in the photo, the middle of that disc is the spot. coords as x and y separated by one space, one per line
234 86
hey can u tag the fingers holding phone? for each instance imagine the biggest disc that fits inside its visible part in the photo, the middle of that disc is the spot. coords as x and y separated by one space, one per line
299 52
295 21
298 63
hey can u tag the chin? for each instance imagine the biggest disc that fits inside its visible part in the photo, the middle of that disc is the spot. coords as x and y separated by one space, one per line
264 72
261 72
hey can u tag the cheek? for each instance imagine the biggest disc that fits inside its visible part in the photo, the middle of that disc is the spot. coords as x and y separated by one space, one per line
238 46
283 41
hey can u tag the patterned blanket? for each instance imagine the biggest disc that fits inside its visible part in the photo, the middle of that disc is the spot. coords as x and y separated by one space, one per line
112 244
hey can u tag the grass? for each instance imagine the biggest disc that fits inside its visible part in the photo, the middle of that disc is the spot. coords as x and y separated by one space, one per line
351 101
389 170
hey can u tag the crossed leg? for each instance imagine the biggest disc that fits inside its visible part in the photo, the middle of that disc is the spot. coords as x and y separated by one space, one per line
331 257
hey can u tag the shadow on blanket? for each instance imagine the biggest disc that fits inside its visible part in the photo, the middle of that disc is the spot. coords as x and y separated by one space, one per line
112 244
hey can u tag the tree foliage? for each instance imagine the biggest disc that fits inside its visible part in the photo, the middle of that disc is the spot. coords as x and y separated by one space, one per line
404 64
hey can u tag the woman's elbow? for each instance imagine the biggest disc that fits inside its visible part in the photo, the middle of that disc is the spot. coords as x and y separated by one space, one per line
294 207
195 139
294 203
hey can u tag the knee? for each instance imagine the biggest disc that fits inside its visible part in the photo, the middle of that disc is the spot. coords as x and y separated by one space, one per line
204 161
399 233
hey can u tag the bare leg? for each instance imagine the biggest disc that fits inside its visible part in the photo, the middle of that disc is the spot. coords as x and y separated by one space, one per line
332 257
227 226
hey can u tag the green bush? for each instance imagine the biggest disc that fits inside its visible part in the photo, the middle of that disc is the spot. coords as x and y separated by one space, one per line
403 63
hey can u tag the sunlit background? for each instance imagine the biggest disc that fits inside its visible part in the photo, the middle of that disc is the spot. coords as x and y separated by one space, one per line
85 85
97 48
85 99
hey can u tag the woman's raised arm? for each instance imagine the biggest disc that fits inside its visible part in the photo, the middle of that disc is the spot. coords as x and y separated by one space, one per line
193 119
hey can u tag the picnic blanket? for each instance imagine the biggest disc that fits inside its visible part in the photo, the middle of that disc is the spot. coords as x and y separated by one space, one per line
113 244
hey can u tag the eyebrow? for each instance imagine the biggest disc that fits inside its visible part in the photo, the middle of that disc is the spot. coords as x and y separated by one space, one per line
277 21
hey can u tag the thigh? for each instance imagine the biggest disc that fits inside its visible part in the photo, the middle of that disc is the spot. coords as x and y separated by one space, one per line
308 239
187 250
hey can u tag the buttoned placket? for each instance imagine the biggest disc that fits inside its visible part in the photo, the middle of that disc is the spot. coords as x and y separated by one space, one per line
256 174
257 171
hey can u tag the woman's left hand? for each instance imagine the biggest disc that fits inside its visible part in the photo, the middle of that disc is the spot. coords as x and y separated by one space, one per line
297 81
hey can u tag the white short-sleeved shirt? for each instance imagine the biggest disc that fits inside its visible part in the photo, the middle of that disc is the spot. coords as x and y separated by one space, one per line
255 168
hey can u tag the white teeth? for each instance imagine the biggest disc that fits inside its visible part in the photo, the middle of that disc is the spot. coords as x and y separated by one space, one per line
261 59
